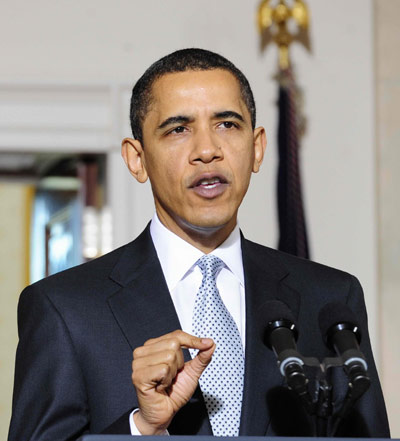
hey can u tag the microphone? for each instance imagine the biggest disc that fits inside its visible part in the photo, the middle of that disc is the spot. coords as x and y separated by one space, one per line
341 332
280 336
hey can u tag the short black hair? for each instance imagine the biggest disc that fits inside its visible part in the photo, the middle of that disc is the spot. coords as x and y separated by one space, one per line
181 61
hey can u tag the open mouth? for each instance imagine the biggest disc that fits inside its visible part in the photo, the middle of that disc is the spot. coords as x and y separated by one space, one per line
209 185
209 182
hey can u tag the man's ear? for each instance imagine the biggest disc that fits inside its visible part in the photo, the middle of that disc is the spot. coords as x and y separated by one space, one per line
260 144
132 152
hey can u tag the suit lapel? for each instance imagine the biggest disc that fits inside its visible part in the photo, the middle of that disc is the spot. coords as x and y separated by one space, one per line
263 282
143 309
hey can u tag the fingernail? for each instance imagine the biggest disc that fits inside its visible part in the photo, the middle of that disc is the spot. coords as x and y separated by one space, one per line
206 340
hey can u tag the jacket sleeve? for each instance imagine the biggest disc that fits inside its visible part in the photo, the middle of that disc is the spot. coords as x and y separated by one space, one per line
49 401
368 418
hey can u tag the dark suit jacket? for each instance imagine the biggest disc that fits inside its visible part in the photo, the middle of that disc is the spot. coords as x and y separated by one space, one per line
78 328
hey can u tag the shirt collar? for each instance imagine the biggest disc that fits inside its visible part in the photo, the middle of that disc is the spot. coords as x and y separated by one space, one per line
177 257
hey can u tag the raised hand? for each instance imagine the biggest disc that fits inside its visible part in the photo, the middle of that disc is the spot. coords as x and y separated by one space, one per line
163 381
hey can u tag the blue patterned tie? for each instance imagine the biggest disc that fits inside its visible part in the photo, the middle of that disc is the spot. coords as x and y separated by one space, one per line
222 381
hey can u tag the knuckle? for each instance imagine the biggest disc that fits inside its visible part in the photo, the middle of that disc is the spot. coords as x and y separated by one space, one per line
174 344
135 366
134 376
164 370
170 356
137 352
195 340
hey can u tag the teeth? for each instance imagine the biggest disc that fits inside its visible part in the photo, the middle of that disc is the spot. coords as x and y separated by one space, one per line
209 181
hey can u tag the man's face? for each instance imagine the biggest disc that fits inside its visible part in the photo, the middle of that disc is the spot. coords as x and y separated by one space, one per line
199 150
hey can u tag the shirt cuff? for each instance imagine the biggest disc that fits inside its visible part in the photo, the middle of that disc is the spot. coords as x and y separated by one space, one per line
134 429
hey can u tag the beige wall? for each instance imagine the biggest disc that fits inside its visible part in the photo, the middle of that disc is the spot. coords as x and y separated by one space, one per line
387 24
15 201
89 42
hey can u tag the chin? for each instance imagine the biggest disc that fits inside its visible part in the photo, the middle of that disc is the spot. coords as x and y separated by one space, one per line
207 224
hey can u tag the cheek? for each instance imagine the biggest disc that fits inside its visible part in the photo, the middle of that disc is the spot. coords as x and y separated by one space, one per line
167 175
170 172
242 165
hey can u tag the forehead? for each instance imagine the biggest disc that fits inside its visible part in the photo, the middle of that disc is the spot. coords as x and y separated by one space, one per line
191 91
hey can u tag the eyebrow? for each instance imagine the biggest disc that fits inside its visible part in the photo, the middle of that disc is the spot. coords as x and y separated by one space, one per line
184 119
178 119
229 114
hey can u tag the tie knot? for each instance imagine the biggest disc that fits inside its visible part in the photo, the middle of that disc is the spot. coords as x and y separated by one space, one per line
210 265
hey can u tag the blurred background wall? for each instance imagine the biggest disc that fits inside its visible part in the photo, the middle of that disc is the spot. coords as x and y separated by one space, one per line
67 70
387 80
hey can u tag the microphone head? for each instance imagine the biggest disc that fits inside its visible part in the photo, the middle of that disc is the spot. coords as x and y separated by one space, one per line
277 314
336 316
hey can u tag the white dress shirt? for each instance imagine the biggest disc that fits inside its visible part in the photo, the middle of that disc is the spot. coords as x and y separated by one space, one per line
178 262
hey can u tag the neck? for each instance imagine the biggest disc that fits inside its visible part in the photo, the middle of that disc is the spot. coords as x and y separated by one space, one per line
206 239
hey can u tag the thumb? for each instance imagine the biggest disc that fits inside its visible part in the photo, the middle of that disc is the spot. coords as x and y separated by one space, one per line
203 358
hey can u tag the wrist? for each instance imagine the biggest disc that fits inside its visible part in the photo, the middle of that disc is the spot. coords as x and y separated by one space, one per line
146 428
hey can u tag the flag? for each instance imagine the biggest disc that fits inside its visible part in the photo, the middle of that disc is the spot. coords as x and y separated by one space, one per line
292 227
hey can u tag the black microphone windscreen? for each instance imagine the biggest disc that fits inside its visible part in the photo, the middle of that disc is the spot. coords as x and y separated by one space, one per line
334 313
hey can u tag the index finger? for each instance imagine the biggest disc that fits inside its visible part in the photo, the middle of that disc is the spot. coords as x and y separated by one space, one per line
183 339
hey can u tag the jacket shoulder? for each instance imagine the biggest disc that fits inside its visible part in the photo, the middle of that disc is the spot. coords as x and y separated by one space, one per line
292 263
303 275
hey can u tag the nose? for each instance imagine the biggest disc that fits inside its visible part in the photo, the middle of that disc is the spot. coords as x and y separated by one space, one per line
205 147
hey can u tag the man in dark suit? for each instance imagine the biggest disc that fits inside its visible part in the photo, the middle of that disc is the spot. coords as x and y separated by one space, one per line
193 119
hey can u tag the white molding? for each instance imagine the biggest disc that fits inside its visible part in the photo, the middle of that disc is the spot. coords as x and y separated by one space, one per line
72 116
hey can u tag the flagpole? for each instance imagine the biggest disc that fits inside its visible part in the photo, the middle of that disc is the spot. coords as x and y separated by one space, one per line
272 22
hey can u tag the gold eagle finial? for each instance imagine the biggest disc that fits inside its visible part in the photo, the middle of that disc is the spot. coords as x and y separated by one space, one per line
277 22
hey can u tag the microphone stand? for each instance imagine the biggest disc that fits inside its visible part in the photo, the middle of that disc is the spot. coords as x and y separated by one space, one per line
324 408
321 407
359 382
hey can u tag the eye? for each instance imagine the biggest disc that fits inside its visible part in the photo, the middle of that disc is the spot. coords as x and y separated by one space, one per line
228 125
179 129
